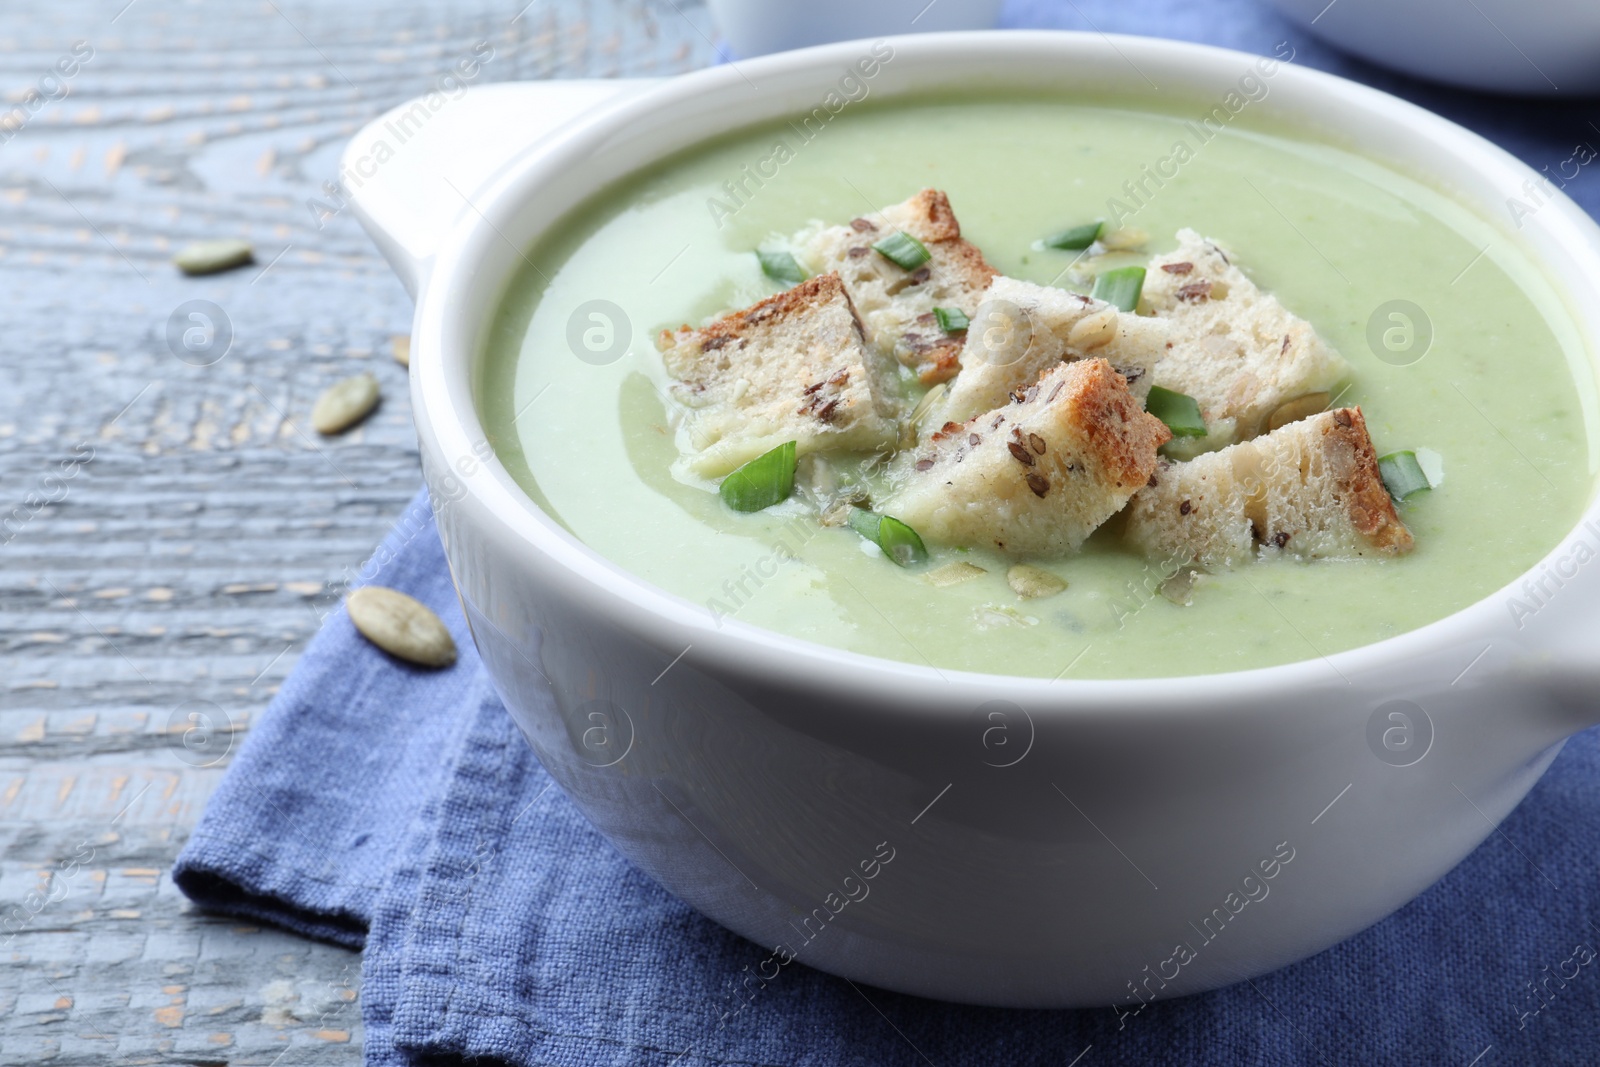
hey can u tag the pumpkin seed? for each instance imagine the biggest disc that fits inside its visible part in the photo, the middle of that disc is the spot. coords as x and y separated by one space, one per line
1125 239
1179 586
1093 331
1030 582
1294 410
953 574
209 257
401 344
344 404
913 425
401 626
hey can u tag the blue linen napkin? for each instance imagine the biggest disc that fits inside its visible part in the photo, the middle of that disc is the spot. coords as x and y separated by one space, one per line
382 806
378 804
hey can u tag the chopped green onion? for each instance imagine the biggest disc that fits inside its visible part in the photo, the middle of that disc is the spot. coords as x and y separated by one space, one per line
865 523
952 320
1120 287
1402 474
762 482
1178 410
781 267
1075 239
903 250
897 540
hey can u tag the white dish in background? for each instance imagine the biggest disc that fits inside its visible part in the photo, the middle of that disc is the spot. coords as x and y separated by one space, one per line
757 773
1539 47
759 27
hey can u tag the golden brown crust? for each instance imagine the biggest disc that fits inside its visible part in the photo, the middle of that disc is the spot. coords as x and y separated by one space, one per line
964 258
936 221
766 313
1348 446
1122 432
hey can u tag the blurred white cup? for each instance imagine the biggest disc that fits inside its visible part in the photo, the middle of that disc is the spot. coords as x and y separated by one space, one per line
1543 47
756 27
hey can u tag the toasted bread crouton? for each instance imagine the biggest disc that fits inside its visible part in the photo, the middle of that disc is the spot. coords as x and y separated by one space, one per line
1309 489
794 367
896 305
1236 349
1021 330
1033 478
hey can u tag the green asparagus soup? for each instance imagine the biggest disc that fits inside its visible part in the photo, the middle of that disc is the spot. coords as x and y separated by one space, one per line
578 406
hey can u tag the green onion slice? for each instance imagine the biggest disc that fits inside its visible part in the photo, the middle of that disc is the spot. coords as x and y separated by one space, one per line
952 320
1075 239
903 250
1178 410
898 541
761 483
1402 474
1120 287
781 267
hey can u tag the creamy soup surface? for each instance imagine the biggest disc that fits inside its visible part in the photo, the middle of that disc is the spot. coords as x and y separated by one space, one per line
1503 393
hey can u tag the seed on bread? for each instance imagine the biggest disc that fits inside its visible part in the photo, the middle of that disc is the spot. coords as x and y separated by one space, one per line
1309 489
794 367
1033 478
1236 349
897 304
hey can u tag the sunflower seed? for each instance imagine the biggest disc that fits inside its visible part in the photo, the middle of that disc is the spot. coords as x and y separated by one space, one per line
209 257
1030 582
401 626
345 404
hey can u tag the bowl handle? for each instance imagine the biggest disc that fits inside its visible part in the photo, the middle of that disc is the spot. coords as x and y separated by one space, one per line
411 173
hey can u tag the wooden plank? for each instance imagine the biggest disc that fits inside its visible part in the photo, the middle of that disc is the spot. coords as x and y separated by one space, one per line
172 534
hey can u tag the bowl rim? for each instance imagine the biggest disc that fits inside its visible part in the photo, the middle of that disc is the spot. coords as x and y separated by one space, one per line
447 420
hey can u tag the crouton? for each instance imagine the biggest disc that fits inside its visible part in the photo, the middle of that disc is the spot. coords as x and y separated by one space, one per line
1021 329
1033 478
1236 349
1310 489
794 367
896 304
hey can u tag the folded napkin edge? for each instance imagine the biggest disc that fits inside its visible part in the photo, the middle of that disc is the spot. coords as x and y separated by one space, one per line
220 891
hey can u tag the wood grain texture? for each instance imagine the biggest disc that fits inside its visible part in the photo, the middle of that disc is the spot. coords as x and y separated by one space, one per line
172 534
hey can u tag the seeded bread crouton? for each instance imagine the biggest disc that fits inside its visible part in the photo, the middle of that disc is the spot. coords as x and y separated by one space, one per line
1236 349
1033 478
1309 489
1021 329
896 305
794 367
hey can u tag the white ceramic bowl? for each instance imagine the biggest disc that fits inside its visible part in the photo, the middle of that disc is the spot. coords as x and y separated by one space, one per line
874 818
1542 47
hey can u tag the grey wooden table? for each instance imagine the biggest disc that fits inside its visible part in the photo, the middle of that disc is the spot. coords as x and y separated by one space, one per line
172 534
